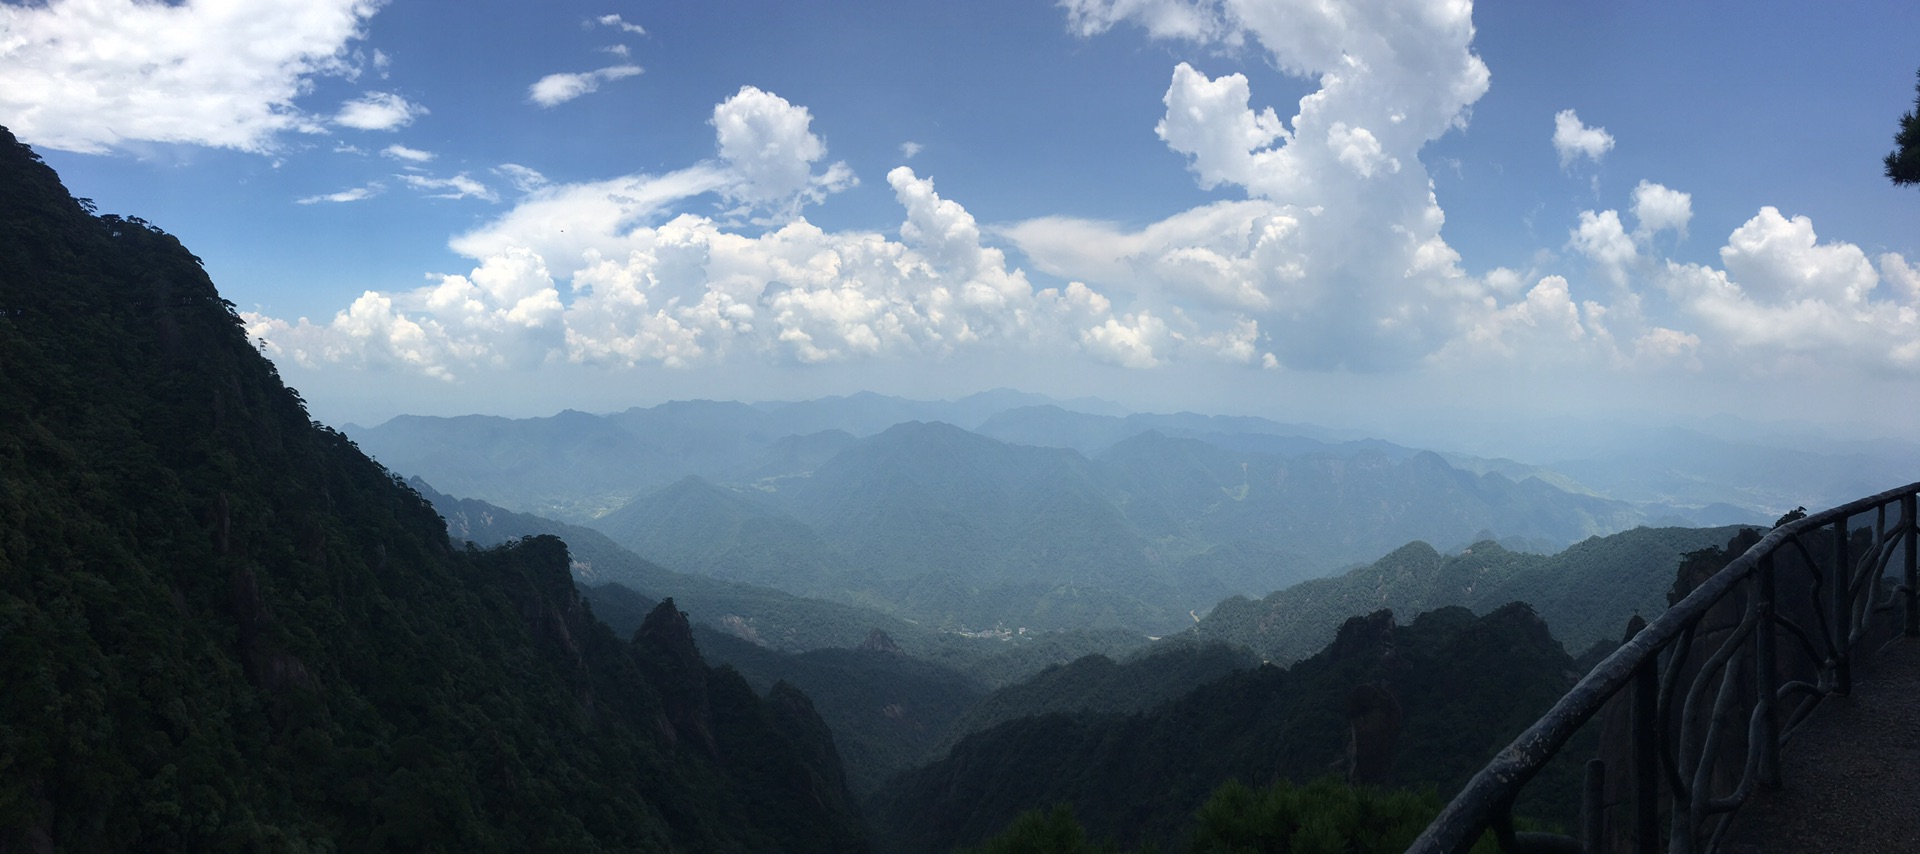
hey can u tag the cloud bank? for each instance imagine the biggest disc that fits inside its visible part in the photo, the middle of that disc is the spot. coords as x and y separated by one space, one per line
1324 252
93 75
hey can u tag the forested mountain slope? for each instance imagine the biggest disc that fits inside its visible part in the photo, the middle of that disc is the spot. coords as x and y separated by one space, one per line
1412 705
1585 593
768 618
223 627
1096 683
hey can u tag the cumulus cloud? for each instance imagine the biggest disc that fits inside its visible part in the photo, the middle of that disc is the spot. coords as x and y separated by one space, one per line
1784 300
606 273
556 89
457 187
92 76
1602 238
1658 209
910 148
353 195
410 155
1337 250
768 145
378 111
1574 140
1546 320
505 314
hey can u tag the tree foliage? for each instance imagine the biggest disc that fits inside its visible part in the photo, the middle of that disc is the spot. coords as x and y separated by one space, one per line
1903 163
222 627
1325 816
1466 686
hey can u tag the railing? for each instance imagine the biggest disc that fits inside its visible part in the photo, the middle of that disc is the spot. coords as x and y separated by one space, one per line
1684 738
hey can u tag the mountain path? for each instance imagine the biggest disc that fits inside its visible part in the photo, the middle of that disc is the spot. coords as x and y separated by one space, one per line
1851 774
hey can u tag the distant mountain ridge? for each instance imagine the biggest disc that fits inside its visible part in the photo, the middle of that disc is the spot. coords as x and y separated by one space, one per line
1586 593
932 521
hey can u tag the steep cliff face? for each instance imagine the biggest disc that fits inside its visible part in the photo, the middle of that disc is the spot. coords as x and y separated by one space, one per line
222 626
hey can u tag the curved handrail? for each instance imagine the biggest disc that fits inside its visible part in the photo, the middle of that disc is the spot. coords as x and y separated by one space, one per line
1485 800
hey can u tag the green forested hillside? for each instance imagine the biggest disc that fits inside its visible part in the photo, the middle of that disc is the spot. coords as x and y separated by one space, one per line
224 628
1586 593
616 578
887 709
698 527
1421 704
1096 683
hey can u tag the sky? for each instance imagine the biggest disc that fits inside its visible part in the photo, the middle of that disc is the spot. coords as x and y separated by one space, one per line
1380 214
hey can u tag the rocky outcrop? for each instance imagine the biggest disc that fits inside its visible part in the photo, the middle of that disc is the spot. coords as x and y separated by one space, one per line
878 641
665 639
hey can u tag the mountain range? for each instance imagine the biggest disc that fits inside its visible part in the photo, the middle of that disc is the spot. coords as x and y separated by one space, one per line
810 626
1086 520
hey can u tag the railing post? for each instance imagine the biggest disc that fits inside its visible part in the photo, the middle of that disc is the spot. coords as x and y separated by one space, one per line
1907 522
1766 680
1842 611
1646 751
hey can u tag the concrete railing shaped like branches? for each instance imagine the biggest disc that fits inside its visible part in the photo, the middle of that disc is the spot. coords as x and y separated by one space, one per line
1713 687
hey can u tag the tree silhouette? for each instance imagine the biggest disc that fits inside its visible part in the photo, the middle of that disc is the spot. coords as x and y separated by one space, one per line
1903 164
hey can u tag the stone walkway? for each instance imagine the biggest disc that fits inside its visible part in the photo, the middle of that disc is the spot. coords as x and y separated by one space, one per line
1851 773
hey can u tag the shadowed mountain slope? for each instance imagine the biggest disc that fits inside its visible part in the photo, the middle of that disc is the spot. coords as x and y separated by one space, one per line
225 628
1411 705
1586 593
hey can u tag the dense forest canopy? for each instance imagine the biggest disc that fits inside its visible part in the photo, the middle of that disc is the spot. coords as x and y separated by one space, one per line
222 627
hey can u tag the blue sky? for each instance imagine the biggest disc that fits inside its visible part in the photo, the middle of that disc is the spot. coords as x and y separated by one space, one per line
1367 213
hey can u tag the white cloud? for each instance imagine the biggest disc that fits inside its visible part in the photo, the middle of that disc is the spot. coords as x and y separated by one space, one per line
92 75
1545 320
615 21
457 187
378 111
381 62
1786 302
1780 259
505 314
1602 238
522 178
353 195
1904 278
649 287
1658 208
909 149
1575 140
564 222
1216 256
618 50
411 155
556 89
1338 251
768 144
1192 20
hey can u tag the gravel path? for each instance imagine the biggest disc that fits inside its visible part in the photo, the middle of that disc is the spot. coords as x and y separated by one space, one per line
1852 773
